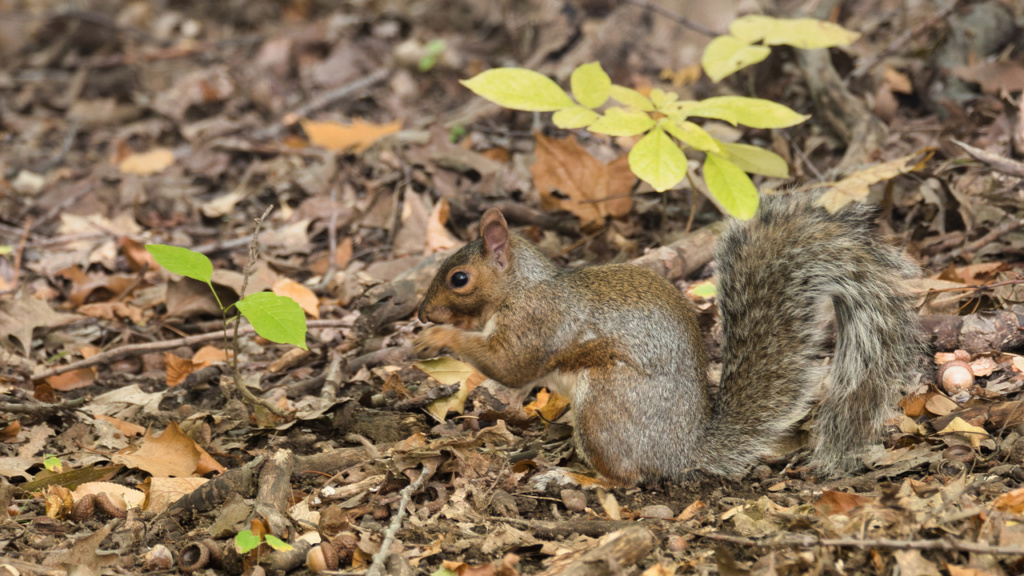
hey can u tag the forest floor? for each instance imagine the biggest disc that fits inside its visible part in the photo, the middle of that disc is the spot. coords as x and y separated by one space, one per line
125 444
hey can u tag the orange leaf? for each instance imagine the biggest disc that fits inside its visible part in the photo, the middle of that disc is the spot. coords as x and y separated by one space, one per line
146 163
305 297
208 355
359 135
126 428
72 380
178 369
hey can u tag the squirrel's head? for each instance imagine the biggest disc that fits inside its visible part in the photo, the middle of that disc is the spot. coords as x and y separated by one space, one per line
470 284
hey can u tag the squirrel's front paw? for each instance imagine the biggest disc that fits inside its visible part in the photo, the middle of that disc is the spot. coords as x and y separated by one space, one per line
431 341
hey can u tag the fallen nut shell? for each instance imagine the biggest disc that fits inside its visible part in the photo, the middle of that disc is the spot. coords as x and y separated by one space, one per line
322 558
112 505
956 376
159 558
84 508
194 557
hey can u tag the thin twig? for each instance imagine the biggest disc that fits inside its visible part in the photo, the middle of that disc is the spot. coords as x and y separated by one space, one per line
243 390
678 18
26 229
133 349
377 567
43 409
324 100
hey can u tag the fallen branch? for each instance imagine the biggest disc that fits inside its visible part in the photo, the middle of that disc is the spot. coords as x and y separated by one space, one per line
132 349
377 567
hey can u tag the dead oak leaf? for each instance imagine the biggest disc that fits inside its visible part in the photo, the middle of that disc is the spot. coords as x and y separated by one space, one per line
170 454
359 135
19 317
569 178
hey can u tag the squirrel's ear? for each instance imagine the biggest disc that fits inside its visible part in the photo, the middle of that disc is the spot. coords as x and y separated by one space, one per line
494 231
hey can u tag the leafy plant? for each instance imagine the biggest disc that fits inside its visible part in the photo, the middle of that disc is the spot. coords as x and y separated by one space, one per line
665 123
246 541
732 52
276 318
431 52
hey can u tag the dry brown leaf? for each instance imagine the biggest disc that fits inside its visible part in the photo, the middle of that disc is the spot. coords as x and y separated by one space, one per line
112 311
20 316
993 77
439 238
161 492
126 428
898 81
550 405
177 369
833 502
10 431
132 498
152 161
209 355
450 371
411 232
1012 501
856 186
72 380
974 434
305 297
171 454
358 135
939 405
590 189
85 284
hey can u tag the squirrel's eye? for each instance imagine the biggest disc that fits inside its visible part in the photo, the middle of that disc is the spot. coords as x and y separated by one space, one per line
459 279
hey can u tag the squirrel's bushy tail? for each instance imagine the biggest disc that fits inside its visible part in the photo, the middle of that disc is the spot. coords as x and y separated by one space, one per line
778 274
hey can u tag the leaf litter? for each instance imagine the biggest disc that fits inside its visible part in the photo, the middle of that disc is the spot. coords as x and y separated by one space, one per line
134 123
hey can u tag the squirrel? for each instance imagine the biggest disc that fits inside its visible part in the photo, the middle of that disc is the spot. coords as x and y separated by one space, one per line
624 345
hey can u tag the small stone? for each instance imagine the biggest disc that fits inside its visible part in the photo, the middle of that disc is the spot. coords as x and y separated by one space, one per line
657 511
574 500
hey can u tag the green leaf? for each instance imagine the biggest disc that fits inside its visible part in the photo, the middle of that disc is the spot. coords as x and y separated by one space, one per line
704 289
590 84
246 541
622 122
756 160
574 117
456 133
691 134
276 318
631 98
278 544
519 89
806 33
753 112
657 160
52 463
730 186
661 98
727 54
182 261
431 51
